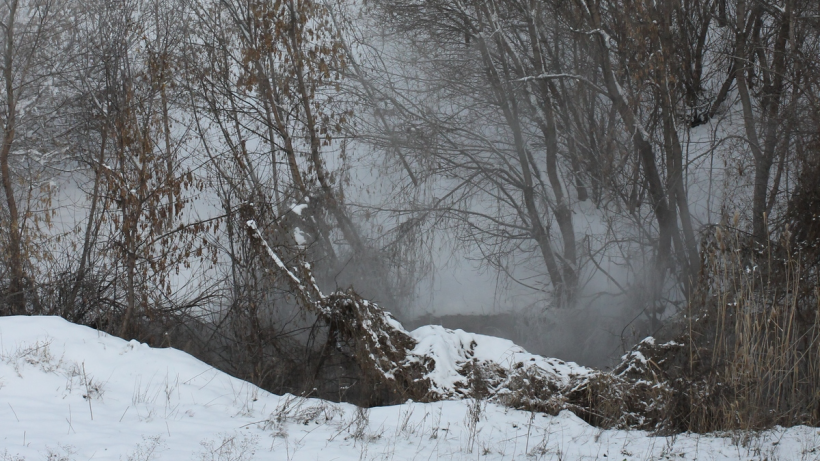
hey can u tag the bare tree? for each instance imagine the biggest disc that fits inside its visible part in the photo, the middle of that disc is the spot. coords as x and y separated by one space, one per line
30 43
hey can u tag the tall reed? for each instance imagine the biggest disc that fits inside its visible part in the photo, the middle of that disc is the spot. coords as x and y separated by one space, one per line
754 336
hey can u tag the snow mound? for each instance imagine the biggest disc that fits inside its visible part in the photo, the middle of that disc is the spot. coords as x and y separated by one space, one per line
453 351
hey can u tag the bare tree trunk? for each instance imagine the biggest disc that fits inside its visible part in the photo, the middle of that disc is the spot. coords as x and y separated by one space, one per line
686 245
772 103
128 229
561 208
537 230
763 153
169 157
290 152
273 108
130 295
86 251
667 221
15 300
345 223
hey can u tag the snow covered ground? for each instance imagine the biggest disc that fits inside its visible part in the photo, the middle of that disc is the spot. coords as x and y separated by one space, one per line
68 392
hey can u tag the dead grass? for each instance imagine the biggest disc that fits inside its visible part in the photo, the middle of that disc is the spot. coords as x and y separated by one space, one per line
755 336
745 355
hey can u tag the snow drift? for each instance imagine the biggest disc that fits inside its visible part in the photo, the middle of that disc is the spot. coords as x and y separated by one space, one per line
69 392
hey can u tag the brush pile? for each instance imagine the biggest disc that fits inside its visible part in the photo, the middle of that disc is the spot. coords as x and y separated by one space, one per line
432 363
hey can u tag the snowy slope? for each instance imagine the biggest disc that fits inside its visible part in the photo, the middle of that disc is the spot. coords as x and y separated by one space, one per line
70 393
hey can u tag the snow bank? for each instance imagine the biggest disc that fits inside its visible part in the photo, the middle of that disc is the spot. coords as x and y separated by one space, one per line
71 393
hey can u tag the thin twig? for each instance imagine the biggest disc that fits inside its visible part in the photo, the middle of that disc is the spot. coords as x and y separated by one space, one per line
87 393
15 413
124 412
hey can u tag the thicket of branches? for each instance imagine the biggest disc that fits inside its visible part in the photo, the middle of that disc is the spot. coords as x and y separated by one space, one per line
582 149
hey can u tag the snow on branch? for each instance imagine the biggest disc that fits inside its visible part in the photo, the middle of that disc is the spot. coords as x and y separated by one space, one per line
562 76
254 229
